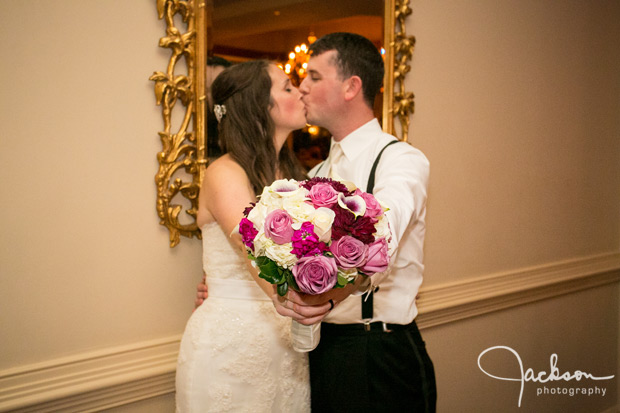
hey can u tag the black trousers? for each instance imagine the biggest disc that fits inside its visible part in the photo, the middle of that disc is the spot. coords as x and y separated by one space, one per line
353 370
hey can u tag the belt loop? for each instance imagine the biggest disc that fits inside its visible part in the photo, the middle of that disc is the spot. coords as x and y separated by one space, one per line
385 328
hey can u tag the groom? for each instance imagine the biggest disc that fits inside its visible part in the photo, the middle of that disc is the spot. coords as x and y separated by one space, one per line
371 356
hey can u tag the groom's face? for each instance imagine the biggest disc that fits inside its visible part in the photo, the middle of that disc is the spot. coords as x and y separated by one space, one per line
322 90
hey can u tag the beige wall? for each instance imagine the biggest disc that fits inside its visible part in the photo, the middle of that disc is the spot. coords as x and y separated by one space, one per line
84 264
517 107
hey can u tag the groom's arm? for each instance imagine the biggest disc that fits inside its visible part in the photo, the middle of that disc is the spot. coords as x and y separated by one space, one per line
202 291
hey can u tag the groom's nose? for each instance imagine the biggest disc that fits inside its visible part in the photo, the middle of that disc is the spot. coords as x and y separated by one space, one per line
303 87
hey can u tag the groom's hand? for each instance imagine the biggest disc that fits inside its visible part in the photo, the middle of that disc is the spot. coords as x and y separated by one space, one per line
310 309
202 291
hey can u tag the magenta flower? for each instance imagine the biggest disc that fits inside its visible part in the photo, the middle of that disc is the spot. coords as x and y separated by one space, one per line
248 232
323 195
316 274
278 226
349 252
306 242
378 258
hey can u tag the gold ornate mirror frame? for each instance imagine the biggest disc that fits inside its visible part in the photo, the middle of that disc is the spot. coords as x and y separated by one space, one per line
183 156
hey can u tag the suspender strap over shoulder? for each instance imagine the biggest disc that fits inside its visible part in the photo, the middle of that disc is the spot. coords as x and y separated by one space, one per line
367 299
371 178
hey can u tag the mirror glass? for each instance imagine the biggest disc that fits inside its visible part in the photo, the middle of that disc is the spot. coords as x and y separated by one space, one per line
281 30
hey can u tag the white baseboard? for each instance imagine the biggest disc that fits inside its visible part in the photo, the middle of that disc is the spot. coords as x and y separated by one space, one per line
116 376
92 381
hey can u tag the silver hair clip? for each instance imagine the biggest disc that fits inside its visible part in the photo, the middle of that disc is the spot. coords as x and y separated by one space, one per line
220 111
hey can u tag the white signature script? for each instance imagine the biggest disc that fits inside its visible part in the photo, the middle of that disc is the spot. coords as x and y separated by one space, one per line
541 377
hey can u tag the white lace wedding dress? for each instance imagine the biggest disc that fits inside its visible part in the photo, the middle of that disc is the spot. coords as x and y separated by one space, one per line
236 353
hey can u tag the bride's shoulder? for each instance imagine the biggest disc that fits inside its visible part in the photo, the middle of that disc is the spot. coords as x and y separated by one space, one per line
226 165
225 170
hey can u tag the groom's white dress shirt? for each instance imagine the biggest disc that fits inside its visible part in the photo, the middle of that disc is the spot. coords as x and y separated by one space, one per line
401 182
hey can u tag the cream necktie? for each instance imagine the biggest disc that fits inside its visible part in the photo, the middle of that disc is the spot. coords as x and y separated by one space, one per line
335 156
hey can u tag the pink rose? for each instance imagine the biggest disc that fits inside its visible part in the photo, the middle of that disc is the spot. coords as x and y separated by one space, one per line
323 195
349 252
278 227
373 208
378 258
315 274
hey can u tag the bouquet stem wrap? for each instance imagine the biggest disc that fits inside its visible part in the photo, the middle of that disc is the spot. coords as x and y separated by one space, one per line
305 338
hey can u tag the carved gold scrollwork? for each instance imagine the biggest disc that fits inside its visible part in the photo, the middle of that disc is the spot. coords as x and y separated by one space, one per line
179 169
403 46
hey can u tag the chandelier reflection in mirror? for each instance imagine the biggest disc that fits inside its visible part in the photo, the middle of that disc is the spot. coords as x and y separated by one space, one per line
297 64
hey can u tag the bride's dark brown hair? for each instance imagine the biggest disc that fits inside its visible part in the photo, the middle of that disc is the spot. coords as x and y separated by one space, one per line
246 130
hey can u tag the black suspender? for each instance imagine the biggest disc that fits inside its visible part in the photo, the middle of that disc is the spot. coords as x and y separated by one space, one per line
367 300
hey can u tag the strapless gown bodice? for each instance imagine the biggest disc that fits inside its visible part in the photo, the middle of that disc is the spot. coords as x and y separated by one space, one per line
219 258
236 353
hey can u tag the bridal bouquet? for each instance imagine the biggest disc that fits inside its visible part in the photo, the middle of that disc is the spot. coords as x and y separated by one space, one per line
315 235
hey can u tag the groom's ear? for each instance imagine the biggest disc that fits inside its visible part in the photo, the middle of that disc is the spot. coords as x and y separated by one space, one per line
352 88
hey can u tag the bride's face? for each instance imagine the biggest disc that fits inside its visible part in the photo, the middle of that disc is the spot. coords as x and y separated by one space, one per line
287 110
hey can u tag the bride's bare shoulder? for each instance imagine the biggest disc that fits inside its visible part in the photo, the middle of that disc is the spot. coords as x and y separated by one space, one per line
224 166
224 172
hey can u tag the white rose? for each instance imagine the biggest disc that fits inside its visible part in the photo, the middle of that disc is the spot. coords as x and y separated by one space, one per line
260 242
257 215
382 227
281 254
300 212
349 274
323 218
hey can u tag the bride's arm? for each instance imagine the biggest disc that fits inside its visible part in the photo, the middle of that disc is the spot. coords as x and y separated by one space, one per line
225 193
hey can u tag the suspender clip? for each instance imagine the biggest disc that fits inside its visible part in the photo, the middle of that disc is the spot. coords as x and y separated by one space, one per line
367 324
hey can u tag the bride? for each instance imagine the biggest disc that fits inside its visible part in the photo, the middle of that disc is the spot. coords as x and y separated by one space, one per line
236 353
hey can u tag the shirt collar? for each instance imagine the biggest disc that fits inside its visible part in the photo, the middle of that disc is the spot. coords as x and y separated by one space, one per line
358 141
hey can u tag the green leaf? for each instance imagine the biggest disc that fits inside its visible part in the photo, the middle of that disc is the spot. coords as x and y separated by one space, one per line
269 270
282 289
290 279
270 279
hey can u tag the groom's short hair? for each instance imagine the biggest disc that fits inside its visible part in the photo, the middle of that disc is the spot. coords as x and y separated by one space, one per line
357 56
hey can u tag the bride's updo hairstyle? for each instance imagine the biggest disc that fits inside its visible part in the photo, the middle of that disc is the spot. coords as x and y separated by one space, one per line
246 129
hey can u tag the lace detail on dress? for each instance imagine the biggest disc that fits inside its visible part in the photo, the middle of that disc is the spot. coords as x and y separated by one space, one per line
236 354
